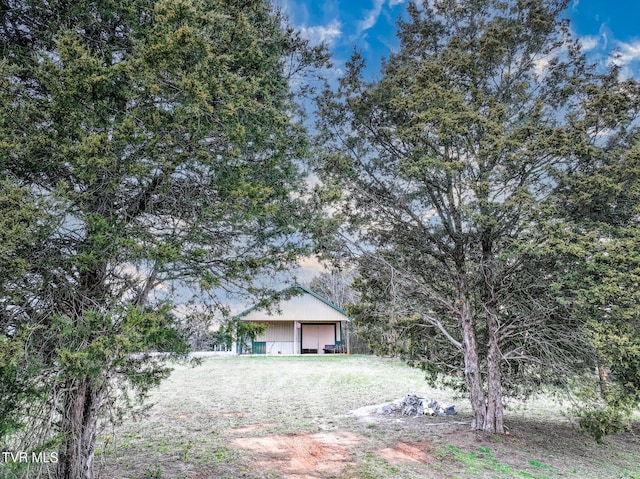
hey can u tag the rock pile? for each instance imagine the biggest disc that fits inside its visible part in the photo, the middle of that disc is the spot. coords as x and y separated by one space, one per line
412 405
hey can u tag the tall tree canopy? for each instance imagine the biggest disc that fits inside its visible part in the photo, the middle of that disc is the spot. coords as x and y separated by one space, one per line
159 135
595 241
445 169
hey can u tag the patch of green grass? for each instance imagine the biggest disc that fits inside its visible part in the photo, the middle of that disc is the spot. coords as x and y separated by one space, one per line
152 472
220 455
478 463
374 467
536 464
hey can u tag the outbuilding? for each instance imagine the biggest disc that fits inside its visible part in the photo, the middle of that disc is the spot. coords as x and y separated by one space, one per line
304 323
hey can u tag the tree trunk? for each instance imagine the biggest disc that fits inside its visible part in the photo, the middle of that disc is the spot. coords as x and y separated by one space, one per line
604 381
472 374
79 424
494 421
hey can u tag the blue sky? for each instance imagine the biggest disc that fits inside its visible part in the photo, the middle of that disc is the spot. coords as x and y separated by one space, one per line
369 26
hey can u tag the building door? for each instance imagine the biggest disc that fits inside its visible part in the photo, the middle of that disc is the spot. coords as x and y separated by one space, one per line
316 336
259 347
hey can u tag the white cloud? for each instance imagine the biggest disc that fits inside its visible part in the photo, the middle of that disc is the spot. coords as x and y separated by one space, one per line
372 17
323 33
589 42
540 66
297 12
308 268
604 33
627 53
627 73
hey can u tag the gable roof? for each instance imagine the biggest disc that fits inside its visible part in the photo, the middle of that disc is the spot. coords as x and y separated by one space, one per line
303 289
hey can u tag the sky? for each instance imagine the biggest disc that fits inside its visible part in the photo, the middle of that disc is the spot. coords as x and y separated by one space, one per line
369 26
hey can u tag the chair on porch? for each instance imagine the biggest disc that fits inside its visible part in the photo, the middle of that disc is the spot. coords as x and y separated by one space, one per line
334 349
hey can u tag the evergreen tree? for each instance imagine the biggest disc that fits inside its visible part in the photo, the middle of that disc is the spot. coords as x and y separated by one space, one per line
159 134
446 166
22 231
595 243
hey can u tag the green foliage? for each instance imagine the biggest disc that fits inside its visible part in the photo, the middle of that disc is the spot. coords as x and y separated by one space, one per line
223 336
146 148
247 331
601 412
251 329
18 388
602 420
618 347
447 164
241 332
23 224
596 247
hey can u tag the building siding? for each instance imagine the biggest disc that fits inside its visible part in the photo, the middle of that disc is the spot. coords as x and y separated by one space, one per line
289 317
301 307
280 347
278 331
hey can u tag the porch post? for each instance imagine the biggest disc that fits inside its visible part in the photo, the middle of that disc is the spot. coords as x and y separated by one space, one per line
295 338
346 328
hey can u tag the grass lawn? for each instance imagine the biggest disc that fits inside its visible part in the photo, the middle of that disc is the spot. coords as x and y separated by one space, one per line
291 417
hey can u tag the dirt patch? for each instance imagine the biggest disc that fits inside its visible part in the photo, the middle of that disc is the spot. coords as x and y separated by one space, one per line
308 456
404 452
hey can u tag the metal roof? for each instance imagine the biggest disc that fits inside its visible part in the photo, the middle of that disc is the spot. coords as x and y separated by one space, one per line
304 289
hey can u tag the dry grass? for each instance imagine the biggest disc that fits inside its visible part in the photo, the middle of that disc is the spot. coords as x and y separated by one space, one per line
289 417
